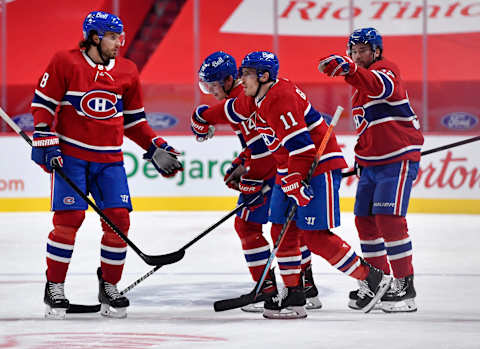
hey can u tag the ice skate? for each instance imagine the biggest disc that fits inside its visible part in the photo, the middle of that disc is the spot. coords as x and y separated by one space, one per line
268 290
372 288
311 291
353 297
113 304
402 297
289 305
56 303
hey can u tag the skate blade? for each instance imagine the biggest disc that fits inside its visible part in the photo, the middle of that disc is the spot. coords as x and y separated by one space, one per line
405 306
285 314
352 304
116 313
313 303
253 308
55 313
382 289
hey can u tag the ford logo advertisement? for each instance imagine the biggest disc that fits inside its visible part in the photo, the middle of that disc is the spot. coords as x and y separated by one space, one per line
161 121
24 121
459 121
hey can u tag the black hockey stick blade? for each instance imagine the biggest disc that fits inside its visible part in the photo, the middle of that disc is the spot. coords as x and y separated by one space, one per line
83 309
164 259
234 303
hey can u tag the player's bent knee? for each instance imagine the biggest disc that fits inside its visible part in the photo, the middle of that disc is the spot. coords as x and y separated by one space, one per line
247 230
120 217
323 242
391 227
70 218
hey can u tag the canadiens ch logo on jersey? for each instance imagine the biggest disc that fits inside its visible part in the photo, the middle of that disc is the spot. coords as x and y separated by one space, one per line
99 104
269 137
361 122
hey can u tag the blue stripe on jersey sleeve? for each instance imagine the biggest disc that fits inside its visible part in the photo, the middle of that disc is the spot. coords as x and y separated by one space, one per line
387 85
299 141
232 115
242 140
384 110
37 99
312 116
131 118
258 147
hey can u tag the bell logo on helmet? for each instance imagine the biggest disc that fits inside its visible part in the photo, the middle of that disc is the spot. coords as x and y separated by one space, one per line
268 55
217 62
99 104
102 15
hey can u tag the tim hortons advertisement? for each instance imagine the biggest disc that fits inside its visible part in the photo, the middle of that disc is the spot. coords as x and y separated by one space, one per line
453 174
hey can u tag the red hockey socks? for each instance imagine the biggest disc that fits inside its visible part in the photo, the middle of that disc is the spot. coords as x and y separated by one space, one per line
256 248
372 243
288 255
113 248
61 241
397 242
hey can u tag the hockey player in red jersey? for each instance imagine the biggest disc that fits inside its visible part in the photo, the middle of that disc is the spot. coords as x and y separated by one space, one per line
292 130
387 154
84 103
253 168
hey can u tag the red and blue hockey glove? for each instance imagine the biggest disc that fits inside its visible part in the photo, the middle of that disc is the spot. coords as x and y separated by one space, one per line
238 168
250 189
294 186
163 157
200 127
336 65
46 149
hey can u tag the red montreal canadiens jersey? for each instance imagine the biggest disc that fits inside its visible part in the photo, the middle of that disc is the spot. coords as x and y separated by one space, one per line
92 105
290 127
387 127
262 164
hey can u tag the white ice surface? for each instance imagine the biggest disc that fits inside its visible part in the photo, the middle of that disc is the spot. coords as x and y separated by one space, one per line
173 308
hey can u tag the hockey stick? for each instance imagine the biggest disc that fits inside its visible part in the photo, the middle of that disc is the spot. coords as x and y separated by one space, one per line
149 259
431 151
80 308
249 298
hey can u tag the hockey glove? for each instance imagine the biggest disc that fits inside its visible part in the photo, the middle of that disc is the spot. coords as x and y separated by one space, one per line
46 149
236 170
294 186
335 65
200 127
163 157
250 189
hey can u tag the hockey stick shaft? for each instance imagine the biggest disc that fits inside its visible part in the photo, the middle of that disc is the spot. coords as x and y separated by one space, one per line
431 151
233 303
151 260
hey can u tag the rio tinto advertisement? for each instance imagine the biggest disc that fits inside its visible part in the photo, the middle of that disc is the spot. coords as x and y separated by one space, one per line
450 174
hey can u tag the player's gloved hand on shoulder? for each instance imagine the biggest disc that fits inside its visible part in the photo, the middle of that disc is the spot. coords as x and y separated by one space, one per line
294 186
336 65
163 157
251 192
236 170
200 127
46 149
